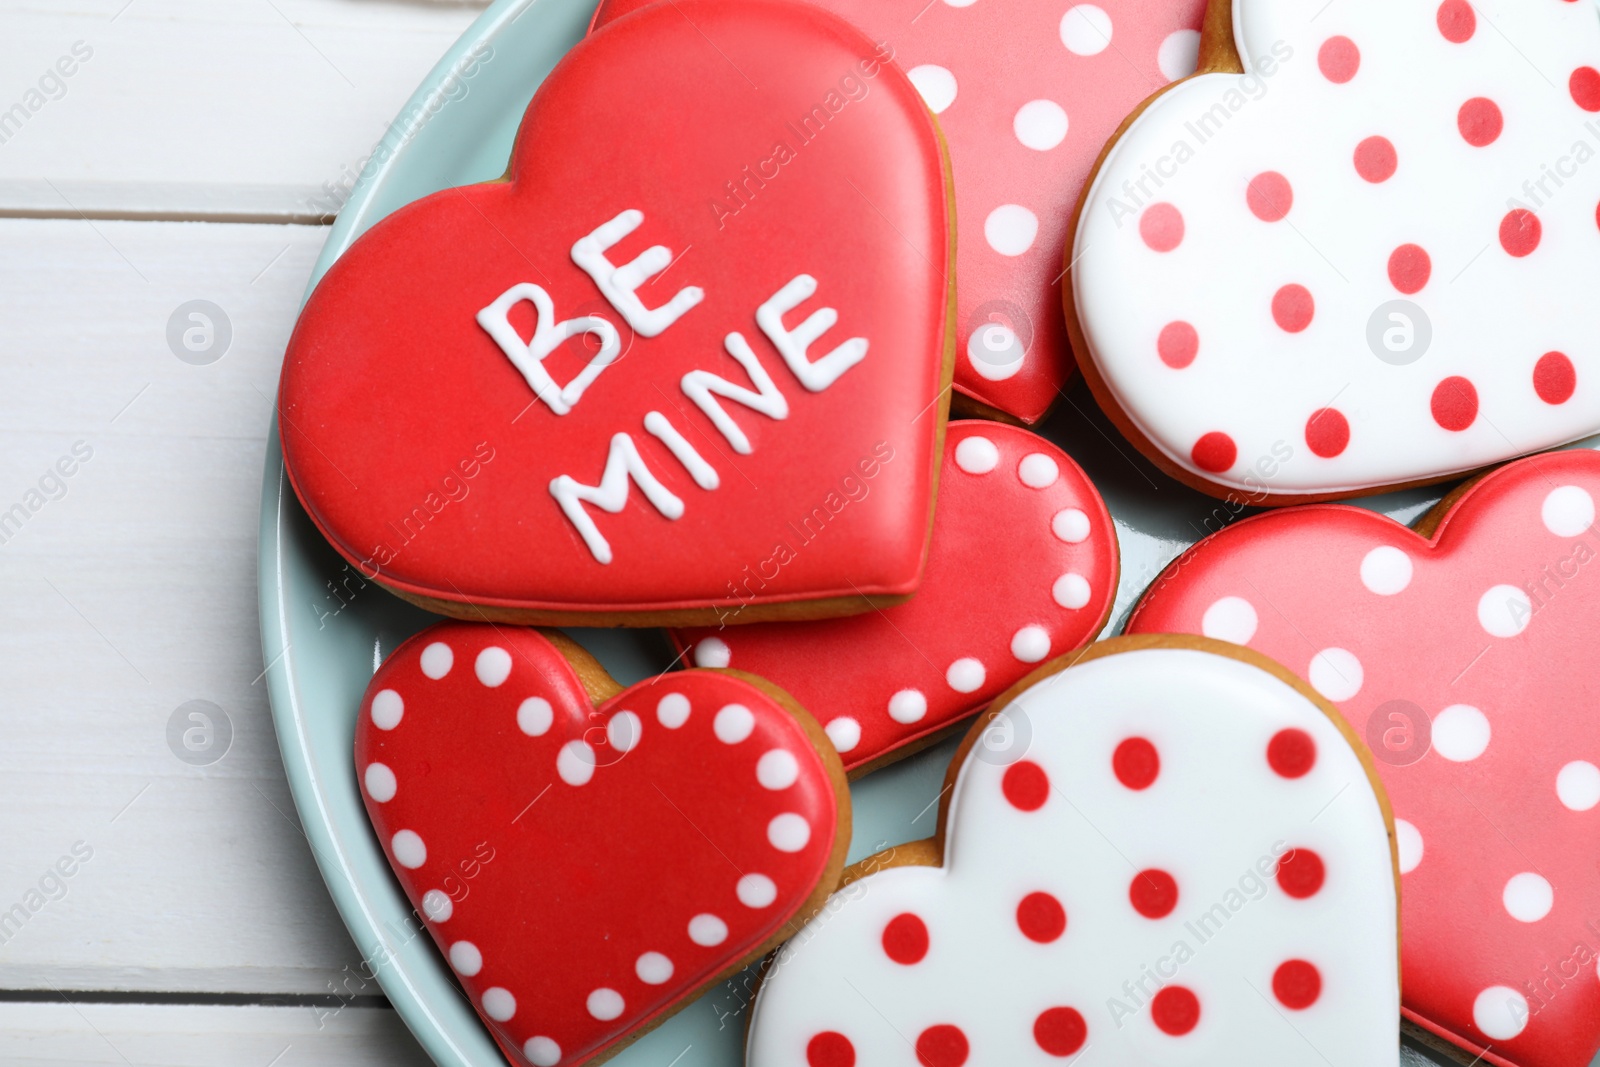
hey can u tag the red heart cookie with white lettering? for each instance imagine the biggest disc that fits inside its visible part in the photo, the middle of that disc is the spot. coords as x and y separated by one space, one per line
1022 567
1026 94
1461 652
589 858
580 395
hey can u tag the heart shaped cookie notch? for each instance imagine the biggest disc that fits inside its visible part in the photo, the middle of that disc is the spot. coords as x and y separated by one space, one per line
1166 849
589 858
583 394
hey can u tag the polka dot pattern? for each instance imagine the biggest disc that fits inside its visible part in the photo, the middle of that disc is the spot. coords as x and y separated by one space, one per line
1376 160
1161 226
905 939
1339 59
1041 918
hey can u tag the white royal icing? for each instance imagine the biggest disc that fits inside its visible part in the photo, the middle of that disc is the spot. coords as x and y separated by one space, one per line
548 335
620 284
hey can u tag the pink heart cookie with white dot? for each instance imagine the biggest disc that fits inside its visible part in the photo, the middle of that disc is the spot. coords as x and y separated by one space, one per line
1366 262
1458 651
1026 94
1022 566
1185 862
589 858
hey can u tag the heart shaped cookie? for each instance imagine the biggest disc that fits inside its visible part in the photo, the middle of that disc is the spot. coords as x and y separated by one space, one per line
1458 651
589 858
1164 849
1357 252
1026 95
585 394
1022 567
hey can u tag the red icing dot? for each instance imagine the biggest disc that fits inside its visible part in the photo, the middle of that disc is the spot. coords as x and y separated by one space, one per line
1480 122
1339 59
1270 196
1154 893
1301 873
1292 753
1327 432
905 939
1585 86
1161 226
1136 763
1175 1010
1297 985
1060 1031
1520 232
1376 160
1215 452
1554 378
1457 21
942 1046
1293 308
1178 344
1041 918
1026 785
830 1049
1455 404
1410 267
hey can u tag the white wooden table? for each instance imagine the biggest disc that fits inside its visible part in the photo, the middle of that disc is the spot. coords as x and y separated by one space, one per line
193 153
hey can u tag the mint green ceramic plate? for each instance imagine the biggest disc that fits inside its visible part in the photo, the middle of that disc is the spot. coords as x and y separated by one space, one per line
324 630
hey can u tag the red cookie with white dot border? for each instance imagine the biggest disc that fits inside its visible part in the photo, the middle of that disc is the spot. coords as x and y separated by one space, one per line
1026 94
1366 263
1166 849
1022 567
589 858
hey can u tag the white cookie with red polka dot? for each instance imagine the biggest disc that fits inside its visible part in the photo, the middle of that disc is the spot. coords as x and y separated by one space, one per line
1167 851
1368 261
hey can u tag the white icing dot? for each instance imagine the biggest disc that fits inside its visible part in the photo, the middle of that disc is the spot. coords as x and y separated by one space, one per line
1336 674
534 716
1071 591
493 666
624 731
542 1052
960 3
1038 470
606 1004
1040 125
575 763
437 907
673 711
995 351
936 84
712 652
1460 733
977 455
844 732
1232 618
499 1004
908 705
707 930
1528 897
1408 842
437 659
1500 1012
1030 644
1568 511
653 968
409 851
387 708
789 832
1578 785
380 782
1070 525
1179 54
1086 30
466 959
757 891
778 769
965 675
1010 229
733 724
1386 570
1504 611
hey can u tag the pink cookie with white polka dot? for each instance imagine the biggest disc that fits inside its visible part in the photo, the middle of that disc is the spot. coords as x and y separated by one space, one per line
551 829
1022 566
1165 850
1460 652
1368 261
